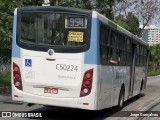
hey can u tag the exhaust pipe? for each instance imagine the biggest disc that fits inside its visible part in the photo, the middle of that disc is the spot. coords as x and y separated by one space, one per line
30 104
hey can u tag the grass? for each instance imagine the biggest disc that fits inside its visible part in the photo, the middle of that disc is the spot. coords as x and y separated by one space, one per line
153 73
5 79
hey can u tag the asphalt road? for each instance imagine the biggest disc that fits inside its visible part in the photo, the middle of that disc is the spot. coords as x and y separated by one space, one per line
149 101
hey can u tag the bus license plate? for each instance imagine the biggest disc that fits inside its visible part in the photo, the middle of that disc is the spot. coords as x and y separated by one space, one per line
51 90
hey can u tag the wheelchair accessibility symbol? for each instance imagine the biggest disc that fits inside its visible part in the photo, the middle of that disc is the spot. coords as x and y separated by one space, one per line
28 62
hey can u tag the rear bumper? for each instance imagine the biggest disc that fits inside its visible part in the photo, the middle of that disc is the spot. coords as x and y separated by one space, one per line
88 102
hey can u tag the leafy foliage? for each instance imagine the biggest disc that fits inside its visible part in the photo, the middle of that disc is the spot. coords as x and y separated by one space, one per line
5 79
155 58
133 23
130 22
85 4
146 10
152 73
105 8
122 24
6 22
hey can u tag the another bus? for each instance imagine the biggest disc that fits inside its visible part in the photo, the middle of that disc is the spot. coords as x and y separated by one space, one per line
75 58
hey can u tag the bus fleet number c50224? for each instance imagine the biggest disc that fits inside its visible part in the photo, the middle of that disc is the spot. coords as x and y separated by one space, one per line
66 67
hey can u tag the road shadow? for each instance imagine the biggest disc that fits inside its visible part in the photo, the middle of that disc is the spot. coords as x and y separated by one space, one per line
60 113
133 99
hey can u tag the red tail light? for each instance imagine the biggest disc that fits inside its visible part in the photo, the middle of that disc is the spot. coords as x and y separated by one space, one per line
87 83
17 77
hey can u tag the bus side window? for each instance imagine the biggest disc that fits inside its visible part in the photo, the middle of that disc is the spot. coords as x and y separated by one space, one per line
137 54
104 50
113 48
122 50
128 51
114 54
114 39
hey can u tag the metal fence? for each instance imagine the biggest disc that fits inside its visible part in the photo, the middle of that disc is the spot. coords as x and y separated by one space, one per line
5 68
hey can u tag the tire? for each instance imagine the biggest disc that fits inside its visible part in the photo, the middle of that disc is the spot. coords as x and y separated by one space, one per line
141 88
141 94
121 100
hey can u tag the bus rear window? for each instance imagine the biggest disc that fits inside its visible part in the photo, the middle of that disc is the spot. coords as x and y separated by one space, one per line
53 29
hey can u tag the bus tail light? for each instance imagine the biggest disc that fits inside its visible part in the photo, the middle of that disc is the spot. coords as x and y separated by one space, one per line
17 77
87 83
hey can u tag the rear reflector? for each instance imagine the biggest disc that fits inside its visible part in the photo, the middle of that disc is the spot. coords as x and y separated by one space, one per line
85 103
15 95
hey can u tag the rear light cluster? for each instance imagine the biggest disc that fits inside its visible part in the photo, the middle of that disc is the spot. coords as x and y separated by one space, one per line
87 83
17 77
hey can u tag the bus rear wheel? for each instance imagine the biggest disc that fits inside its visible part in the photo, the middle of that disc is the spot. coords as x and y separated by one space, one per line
121 100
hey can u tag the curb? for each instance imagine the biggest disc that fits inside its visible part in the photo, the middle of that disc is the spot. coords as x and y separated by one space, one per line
153 76
4 90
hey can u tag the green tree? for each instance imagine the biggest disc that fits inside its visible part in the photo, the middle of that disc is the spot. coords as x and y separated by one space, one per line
6 22
133 23
130 23
6 13
105 7
85 4
155 58
122 24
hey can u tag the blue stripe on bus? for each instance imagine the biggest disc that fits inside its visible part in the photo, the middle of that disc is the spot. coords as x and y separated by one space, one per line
92 56
15 48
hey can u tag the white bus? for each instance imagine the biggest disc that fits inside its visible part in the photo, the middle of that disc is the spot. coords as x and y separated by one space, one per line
75 58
